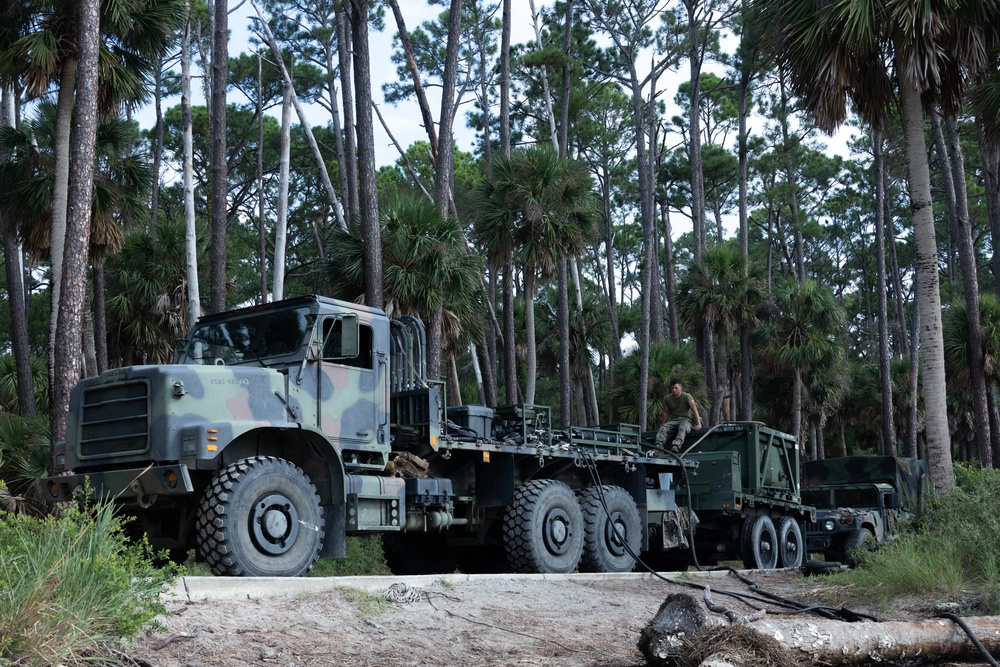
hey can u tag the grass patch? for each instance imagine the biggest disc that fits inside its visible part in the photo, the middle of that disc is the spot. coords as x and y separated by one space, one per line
364 558
367 604
953 546
73 587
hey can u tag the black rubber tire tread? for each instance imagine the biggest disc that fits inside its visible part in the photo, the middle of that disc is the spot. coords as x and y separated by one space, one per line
755 536
791 546
859 541
597 556
223 530
524 526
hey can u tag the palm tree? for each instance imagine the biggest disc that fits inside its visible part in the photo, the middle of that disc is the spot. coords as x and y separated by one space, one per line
666 361
120 191
849 51
800 333
148 309
723 292
426 270
537 207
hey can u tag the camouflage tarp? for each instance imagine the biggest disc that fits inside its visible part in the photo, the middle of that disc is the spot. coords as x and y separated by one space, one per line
907 475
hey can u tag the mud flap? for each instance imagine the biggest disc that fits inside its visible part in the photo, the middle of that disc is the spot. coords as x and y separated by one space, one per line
335 542
677 525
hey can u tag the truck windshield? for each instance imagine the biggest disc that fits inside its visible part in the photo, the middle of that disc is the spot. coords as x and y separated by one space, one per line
258 338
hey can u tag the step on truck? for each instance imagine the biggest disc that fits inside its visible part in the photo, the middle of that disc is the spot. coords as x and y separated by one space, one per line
284 428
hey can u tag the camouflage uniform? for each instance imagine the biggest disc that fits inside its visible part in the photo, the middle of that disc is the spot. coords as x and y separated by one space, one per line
678 426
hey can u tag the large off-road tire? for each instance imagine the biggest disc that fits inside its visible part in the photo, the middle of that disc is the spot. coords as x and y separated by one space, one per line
605 537
260 517
543 528
791 547
759 543
856 544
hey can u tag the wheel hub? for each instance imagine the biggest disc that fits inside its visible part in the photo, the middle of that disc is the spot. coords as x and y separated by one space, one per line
613 528
558 531
274 524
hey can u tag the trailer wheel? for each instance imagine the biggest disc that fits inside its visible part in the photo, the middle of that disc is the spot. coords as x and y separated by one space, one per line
790 545
260 517
543 528
758 543
603 548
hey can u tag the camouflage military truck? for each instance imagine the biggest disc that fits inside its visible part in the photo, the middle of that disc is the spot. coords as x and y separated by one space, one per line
746 496
859 500
284 428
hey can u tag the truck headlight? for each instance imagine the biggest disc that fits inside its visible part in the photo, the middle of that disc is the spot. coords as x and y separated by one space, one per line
828 525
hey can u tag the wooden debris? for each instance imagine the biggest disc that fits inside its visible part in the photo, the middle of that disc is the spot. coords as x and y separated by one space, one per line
677 634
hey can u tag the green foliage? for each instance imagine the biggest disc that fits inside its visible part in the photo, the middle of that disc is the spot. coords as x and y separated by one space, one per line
24 455
953 546
72 586
365 557
666 361
8 383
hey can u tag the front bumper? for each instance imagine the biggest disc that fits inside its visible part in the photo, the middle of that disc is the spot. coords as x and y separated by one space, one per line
131 486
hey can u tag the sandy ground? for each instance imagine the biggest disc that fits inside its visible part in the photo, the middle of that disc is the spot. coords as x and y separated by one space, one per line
497 620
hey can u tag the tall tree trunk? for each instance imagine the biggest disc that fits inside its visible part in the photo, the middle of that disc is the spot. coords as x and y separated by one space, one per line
746 75
695 57
60 196
445 166
531 361
970 282
324 176
509 334
154 200
15 287
565 377
220 170
190 229
344 27
670 280
505 80
368 195
884 354
261 230
609 258
990 157
100 316
81 189
418 86
281 225
928 294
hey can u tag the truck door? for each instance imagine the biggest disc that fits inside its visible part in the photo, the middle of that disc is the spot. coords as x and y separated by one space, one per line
348 391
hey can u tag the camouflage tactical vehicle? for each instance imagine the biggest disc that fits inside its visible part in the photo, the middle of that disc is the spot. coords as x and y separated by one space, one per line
286 427
859 500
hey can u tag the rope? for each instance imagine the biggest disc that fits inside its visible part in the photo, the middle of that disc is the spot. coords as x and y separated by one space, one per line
401 593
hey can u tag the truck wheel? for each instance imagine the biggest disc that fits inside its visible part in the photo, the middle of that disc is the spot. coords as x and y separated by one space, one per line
856 544
758 543
260 517
543 528
603 549
790 546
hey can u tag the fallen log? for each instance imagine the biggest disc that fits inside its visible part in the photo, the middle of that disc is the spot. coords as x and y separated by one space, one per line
682 622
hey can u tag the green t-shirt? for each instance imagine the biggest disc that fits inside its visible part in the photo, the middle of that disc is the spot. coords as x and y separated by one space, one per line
680 406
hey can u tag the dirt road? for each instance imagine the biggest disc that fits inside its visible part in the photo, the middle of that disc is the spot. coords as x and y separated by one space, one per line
458 620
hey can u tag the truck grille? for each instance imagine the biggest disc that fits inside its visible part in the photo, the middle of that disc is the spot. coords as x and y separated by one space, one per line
114 420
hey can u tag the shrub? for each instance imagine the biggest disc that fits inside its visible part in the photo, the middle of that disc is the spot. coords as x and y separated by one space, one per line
954 545
72 586
364 557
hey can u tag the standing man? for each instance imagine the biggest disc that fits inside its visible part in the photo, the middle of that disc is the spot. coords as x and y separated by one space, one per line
679 410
